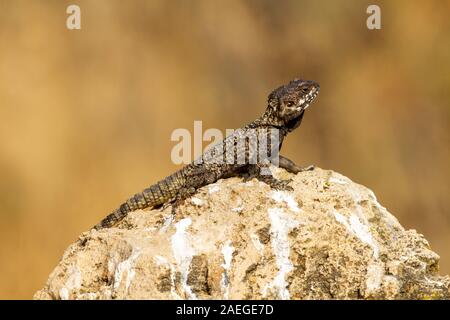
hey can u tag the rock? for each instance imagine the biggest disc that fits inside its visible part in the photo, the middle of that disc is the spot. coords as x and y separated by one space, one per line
328 239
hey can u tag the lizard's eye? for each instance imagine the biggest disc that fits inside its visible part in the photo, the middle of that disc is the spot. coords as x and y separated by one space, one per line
305 89
289 103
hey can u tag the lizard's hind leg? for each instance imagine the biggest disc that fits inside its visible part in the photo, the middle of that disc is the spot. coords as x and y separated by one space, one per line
180 198
263 174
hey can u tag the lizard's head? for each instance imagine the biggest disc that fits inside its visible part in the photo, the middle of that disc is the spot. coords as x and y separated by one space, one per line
287 104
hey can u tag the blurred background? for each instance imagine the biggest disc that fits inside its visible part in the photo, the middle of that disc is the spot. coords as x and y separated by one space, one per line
86 115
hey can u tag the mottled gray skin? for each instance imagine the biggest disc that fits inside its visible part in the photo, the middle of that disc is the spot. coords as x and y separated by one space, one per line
235 154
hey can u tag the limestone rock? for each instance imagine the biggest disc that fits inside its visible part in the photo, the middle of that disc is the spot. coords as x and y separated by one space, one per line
328 239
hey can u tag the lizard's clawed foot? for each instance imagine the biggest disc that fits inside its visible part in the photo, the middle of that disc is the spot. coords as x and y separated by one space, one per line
175 206
173 211
307 168
247 177
164 206
277 184
282 185
267 177
291 167
181 197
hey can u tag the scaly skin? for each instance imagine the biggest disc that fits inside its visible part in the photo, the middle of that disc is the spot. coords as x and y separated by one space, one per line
235 154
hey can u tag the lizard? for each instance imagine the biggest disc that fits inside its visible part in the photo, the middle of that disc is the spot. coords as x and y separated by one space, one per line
238 153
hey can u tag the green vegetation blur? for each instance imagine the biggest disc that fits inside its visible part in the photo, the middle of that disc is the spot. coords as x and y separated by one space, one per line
86 115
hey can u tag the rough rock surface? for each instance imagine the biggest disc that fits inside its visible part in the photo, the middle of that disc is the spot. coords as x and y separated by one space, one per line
328 239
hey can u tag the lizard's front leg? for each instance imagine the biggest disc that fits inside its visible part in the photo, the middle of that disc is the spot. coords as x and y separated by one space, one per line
262 173
291 167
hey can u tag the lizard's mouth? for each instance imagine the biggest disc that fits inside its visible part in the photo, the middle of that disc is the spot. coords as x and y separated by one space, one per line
305 102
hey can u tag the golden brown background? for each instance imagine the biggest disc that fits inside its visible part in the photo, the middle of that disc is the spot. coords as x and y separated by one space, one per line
86 116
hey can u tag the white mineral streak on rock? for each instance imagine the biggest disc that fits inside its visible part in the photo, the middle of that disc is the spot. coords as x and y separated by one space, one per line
183 253
160 260
357 222
167 223
360 230
213 188
73 282
227 252
64 293
282 196
126 268
341 219
258 245
239 207
353 190
375 273
198 202
337 180
281 225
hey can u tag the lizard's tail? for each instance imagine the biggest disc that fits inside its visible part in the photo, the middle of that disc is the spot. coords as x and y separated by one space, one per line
158 194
